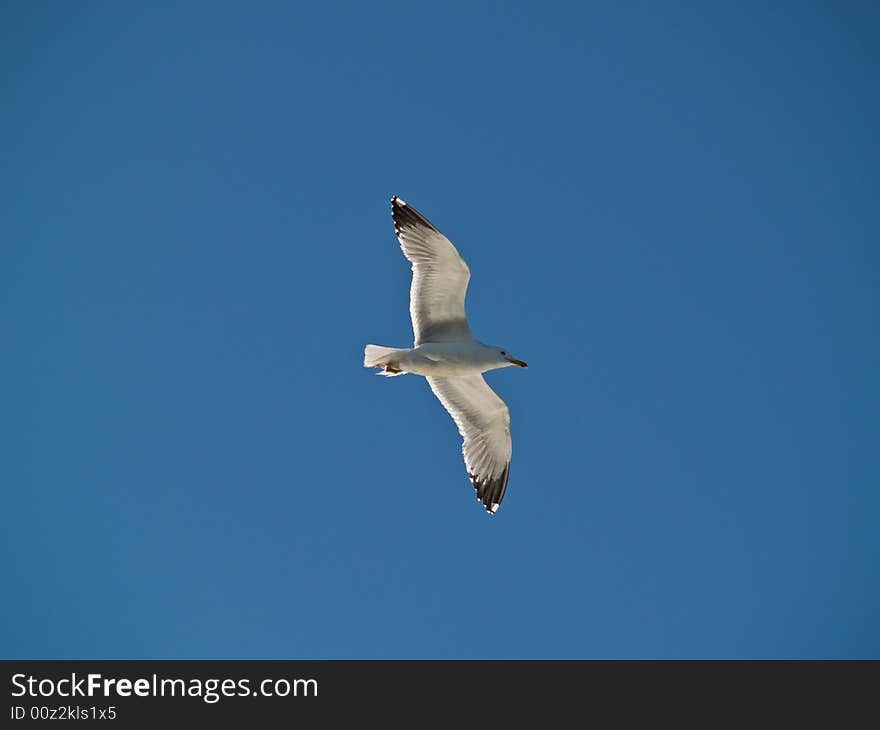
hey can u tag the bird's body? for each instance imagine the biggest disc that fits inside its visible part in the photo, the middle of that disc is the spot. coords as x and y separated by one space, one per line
443 359
446 353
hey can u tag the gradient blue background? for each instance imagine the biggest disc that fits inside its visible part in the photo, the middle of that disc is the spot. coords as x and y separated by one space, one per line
669 210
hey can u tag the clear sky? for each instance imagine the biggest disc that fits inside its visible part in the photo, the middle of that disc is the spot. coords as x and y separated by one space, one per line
669 210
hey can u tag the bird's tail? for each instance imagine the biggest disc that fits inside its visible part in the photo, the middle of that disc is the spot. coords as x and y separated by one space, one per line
376 356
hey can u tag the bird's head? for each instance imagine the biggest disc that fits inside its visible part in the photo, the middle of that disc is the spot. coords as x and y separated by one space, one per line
507 359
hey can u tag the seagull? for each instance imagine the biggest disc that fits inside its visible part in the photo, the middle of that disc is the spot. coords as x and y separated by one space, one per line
445 352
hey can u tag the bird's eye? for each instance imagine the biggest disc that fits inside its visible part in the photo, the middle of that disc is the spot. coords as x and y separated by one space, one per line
503 353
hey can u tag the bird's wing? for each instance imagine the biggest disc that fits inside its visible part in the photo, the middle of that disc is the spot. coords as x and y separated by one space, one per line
440 278
483 421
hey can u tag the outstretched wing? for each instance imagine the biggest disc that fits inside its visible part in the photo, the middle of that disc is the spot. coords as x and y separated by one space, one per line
440 278
483 421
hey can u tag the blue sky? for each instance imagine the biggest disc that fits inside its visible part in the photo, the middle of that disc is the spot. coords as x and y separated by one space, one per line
669 210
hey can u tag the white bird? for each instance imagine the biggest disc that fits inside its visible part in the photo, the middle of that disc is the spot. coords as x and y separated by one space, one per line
447 354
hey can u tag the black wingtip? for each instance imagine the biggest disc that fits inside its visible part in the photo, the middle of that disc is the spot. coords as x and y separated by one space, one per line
405 216
490 492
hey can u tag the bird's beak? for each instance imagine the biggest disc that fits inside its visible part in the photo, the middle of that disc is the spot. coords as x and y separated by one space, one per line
518 363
